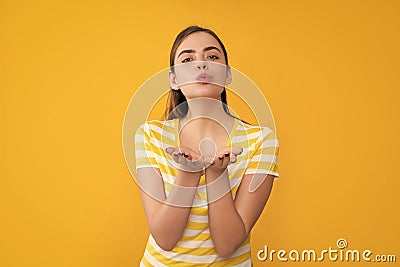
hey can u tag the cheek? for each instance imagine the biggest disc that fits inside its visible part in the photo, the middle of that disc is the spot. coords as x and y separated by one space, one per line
185 74
218 71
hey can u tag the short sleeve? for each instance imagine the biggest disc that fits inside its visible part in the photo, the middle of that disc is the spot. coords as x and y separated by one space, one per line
143 150
265 157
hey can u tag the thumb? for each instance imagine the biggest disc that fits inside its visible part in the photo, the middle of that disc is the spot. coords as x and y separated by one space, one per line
237 150
172 149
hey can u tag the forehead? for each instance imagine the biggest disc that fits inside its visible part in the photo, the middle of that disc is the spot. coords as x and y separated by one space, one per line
197 41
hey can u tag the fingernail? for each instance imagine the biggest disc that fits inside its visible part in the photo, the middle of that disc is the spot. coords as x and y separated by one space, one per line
227 154
220 158
185 155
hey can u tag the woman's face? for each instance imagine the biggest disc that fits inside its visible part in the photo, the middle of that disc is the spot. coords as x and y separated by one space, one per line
200 69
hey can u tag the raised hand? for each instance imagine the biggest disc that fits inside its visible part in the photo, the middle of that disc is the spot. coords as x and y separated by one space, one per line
187 159
223 158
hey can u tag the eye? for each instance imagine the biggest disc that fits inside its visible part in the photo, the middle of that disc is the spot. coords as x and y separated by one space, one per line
213 57
186 60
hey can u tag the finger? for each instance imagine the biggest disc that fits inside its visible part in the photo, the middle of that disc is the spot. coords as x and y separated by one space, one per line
187 156
179 158
172 149
197 165
187 161
194 164
233 158
183 150
226 160
229 150
236 150
188 153
219 160
175 157
185 164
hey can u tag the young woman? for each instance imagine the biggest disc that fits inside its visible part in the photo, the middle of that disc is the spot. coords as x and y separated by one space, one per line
205 175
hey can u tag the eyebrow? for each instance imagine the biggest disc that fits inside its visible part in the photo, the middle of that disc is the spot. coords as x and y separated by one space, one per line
208 48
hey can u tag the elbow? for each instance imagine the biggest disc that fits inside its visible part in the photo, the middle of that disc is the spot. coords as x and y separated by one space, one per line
225 251
226 247
166 246
165 243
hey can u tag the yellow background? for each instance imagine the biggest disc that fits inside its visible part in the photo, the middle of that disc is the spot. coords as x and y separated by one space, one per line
329 70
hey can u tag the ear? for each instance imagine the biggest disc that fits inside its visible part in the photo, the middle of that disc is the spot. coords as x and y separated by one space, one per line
228 75
172 81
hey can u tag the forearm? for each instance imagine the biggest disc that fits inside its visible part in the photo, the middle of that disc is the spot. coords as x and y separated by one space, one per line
169 221
226 226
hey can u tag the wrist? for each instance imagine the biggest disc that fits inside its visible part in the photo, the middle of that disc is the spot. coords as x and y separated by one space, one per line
214 174
187 179
217 186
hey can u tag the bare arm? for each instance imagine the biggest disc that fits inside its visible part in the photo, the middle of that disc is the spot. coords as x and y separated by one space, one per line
232 220
167 216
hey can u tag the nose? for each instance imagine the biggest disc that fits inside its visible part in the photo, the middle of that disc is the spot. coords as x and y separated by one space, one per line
201 65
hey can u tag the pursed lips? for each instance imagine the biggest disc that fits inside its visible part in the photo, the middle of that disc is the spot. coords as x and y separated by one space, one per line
204 78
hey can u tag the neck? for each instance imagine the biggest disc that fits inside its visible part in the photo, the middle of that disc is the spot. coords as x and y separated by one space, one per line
203 107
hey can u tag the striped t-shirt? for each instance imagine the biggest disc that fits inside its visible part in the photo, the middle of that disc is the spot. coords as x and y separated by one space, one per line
196 248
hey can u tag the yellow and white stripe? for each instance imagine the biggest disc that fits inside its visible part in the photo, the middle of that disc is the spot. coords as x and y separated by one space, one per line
196 248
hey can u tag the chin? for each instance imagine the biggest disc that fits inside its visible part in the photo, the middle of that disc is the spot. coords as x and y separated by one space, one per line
202 90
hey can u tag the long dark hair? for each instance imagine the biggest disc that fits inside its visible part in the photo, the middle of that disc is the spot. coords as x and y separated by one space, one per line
176 105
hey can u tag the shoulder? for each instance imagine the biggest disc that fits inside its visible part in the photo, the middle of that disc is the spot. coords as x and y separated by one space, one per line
255 131
255 136
159 133
162 127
